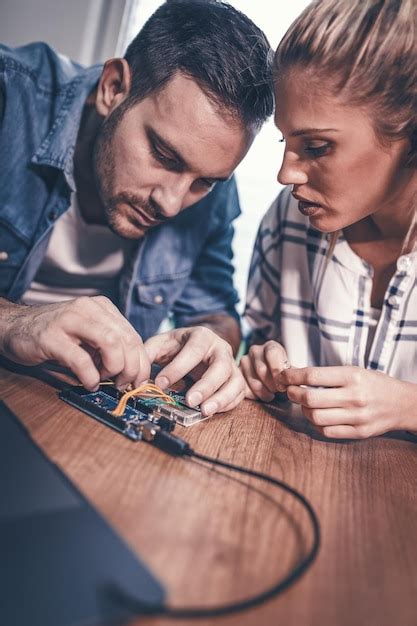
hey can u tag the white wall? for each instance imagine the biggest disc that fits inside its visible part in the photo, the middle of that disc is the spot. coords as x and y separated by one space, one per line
85 30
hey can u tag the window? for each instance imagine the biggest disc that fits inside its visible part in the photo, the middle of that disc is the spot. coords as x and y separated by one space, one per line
256 175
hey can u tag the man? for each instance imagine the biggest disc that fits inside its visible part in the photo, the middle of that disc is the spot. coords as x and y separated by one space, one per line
98 167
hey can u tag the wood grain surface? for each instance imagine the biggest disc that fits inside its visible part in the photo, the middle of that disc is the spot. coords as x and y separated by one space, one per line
212 537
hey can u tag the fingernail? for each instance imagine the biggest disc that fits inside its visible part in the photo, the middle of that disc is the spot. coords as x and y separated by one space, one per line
209 409
278 380
195 398
162 381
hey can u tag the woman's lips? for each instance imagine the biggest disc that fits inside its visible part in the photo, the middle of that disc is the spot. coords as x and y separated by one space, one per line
308 208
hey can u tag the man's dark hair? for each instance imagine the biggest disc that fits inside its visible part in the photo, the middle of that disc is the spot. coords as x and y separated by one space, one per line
212 43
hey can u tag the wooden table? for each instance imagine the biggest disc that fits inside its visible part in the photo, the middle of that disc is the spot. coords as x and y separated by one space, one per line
214 538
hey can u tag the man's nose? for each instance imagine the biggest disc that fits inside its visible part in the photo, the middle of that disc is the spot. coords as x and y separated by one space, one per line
292 171
170 196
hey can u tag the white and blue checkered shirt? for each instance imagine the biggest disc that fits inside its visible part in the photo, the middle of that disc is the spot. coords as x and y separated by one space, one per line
319 308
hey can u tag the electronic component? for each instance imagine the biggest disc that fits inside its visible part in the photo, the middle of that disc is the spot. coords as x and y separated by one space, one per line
179 412
140 414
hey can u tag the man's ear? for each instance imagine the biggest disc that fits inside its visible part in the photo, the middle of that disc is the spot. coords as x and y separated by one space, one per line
113 86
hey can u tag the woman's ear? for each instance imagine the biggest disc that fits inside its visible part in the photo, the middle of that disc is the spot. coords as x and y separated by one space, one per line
113 86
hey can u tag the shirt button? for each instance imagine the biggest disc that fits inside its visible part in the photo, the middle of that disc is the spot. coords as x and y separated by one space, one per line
403 263
3 255
52 215
158 299
393 301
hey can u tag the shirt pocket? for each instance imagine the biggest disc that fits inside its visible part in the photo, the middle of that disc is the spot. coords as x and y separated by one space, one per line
162 293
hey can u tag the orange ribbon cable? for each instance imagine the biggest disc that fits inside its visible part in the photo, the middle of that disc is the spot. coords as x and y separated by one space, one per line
147 390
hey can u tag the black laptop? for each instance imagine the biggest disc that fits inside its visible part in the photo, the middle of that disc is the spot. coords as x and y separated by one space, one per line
60 563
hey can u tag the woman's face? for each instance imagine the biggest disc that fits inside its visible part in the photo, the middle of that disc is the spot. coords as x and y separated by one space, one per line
340 171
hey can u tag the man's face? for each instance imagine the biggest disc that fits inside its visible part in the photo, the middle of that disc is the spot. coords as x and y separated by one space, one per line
164 154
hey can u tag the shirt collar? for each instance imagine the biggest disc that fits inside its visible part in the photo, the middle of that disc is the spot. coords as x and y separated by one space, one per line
57 149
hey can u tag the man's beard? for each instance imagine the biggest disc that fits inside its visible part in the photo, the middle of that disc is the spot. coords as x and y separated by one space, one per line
104 174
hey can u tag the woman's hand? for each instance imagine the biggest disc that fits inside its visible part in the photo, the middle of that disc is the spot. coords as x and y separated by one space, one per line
261 368
352 402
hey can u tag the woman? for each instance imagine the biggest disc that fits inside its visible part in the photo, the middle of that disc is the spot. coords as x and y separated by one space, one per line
332 288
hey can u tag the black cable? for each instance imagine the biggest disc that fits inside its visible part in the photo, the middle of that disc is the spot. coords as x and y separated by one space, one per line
179 447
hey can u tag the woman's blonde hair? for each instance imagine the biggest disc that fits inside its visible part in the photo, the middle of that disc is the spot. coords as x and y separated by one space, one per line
368 50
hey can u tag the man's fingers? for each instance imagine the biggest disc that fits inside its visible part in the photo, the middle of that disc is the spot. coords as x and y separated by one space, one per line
136 369
104 338
137 366
234 403
187 348
161 347
92 323
84 334
220 385
110 347
217 372
229 395
79 361
217 388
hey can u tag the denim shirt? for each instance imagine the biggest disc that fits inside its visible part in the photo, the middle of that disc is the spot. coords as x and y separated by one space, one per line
182 268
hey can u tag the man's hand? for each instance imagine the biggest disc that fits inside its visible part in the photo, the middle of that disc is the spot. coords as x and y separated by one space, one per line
187 350
352 402
261 368
223 325
88 335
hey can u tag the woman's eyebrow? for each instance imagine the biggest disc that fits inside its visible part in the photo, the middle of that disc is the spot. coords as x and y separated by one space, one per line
307 131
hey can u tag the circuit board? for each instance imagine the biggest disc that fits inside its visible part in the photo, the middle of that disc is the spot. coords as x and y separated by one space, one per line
138 412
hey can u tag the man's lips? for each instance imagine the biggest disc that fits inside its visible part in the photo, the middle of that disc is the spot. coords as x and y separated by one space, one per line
144 218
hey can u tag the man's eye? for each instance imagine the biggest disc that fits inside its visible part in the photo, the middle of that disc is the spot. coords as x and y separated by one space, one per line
317 149
164 159
207 182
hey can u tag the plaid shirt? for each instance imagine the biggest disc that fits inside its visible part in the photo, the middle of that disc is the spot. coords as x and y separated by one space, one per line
319 308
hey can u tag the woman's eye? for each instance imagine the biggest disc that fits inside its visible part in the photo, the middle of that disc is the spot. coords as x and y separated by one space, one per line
317 149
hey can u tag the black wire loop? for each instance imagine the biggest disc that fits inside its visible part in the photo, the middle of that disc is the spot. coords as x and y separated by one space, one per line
278 587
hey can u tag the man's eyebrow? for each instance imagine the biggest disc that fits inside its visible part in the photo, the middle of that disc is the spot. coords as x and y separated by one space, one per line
165 145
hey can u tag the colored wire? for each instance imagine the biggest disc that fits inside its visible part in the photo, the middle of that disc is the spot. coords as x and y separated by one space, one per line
147 390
